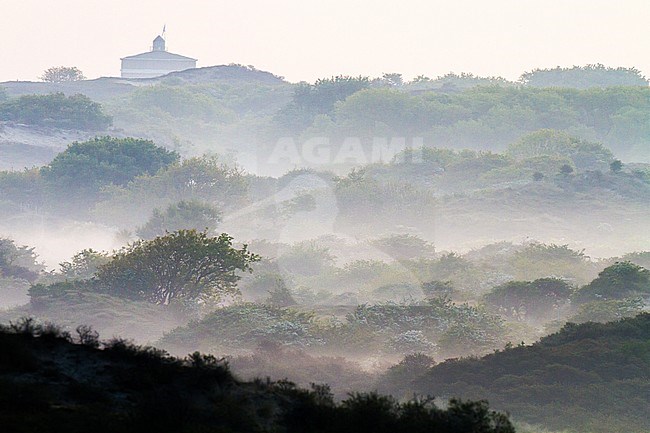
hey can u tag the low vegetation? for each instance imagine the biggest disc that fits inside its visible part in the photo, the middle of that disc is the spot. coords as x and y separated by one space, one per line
56 110
78 383
584 378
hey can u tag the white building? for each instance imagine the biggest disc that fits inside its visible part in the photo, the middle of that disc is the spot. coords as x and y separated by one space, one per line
155 63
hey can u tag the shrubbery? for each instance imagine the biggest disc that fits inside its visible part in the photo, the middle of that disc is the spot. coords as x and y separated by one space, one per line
56 110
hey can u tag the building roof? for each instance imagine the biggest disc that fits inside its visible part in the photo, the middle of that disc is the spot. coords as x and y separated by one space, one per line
158 55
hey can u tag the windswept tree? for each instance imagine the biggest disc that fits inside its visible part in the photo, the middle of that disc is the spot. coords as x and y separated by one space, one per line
62 74
184 265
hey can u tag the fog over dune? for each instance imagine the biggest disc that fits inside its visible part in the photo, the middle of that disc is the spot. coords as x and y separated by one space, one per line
336 209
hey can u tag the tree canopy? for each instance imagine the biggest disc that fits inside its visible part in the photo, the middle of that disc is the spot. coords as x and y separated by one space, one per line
584 77
83 265
310 100
56 110
618 281
186 264
62 74
547 142
181 215
84 168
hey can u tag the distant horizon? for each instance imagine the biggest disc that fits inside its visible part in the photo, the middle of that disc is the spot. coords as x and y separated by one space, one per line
406 79
304 41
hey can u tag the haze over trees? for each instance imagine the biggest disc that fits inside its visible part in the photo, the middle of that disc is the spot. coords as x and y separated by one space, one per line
458 264
584 77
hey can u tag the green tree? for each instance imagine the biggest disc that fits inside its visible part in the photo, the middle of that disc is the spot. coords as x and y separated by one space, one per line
547 142
84 168
641 258
437 289
186 265
206 179
537 260
404 247
56 110
306 258
62 74
393 79
618 281
374 111
182 215
607 311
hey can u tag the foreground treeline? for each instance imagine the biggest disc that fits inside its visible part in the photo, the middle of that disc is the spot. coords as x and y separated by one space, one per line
53 382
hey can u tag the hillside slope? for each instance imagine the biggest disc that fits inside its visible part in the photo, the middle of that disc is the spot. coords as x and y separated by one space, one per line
587 378
50 384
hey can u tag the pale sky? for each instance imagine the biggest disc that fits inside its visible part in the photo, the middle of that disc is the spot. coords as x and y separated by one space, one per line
308 39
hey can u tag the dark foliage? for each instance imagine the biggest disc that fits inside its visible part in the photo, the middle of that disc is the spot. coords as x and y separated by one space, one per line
621 280
587 378
127 388
531 300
